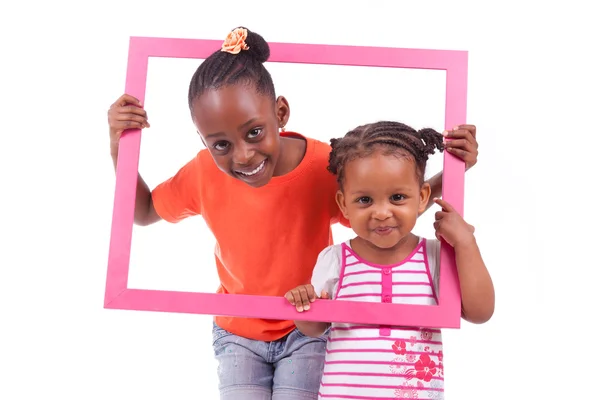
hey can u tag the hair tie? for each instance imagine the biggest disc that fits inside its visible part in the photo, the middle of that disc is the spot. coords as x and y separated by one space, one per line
235 41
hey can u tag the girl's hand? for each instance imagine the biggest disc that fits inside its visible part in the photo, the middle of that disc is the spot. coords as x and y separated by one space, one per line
463 144
451 227
302 296
125 113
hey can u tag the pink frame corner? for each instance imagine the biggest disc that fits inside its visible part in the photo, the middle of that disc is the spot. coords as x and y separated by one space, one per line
118 296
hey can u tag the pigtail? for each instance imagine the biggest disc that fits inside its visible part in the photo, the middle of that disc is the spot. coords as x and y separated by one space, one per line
432 140
392 136
333 167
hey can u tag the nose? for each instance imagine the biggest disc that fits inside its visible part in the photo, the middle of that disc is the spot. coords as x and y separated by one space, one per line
381 212
242 154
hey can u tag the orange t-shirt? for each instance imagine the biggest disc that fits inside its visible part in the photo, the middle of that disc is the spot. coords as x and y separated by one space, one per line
268 238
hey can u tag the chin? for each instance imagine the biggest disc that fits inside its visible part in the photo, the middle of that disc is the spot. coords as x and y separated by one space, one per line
258 184
262 178
383 244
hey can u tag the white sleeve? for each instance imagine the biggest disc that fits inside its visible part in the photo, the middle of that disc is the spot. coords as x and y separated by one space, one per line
433 260
326 273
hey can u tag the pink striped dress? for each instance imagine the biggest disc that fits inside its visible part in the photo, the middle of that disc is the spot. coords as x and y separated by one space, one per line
376 362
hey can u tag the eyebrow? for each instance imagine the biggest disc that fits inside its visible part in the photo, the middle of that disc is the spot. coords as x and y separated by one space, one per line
241 127
367 192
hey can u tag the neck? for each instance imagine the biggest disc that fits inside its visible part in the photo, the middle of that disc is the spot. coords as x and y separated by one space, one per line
291 153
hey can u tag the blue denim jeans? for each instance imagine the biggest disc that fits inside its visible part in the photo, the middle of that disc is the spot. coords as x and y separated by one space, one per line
287 369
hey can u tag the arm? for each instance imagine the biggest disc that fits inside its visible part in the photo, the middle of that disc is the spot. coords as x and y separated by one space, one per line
324 281
144 214
301 297
435 183
127 113
173 200
312 329
476 287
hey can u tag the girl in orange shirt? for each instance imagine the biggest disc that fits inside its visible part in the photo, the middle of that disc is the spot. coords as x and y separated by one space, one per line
267 197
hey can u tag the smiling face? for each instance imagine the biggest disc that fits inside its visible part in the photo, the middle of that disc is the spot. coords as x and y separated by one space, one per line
240 128
382 198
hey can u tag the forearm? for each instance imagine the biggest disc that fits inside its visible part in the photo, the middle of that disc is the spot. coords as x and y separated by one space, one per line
435 182
143 197
476 287
312 329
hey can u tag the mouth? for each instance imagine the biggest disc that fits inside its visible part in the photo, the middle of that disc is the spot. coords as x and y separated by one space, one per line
252 174
384 230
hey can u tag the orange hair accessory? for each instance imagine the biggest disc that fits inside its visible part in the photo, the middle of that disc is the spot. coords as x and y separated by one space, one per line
235 41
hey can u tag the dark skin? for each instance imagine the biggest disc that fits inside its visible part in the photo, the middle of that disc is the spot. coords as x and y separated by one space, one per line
241 132
247 125
382 198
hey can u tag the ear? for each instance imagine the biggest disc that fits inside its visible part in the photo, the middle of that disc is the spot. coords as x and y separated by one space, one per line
282 111
424 196
341 202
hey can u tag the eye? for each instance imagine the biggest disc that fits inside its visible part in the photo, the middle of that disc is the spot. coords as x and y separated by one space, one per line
254 133
398 197
364 200
221 146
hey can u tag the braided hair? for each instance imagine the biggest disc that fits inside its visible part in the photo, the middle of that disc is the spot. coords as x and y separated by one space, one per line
388 136
223 69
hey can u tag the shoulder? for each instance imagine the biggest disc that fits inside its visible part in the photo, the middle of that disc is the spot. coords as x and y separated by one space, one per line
321 149
206 162
432 254
327 269
329 261
197 164
316 149
322 178
316 159
205 169
331 254
432 245
189 172
193 174
319 153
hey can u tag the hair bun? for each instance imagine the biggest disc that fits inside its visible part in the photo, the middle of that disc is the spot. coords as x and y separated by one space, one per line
258 47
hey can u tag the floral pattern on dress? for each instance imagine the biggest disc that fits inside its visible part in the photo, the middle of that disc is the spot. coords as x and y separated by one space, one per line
406 393
425 367
416 364
399 347
436 394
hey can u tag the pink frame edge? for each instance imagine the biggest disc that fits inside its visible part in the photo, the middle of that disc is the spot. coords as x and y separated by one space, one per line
117 296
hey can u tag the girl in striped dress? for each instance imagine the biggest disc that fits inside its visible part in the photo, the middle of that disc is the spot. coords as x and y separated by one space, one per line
380 169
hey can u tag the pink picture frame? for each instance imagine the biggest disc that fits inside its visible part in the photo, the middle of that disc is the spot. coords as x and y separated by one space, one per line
446 314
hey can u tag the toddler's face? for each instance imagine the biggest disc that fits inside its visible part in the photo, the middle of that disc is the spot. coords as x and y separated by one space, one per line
240 128
382 198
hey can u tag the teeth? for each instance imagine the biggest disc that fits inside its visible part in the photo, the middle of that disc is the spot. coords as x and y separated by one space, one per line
262 164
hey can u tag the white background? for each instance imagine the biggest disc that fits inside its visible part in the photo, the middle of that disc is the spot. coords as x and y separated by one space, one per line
533 94
180 257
